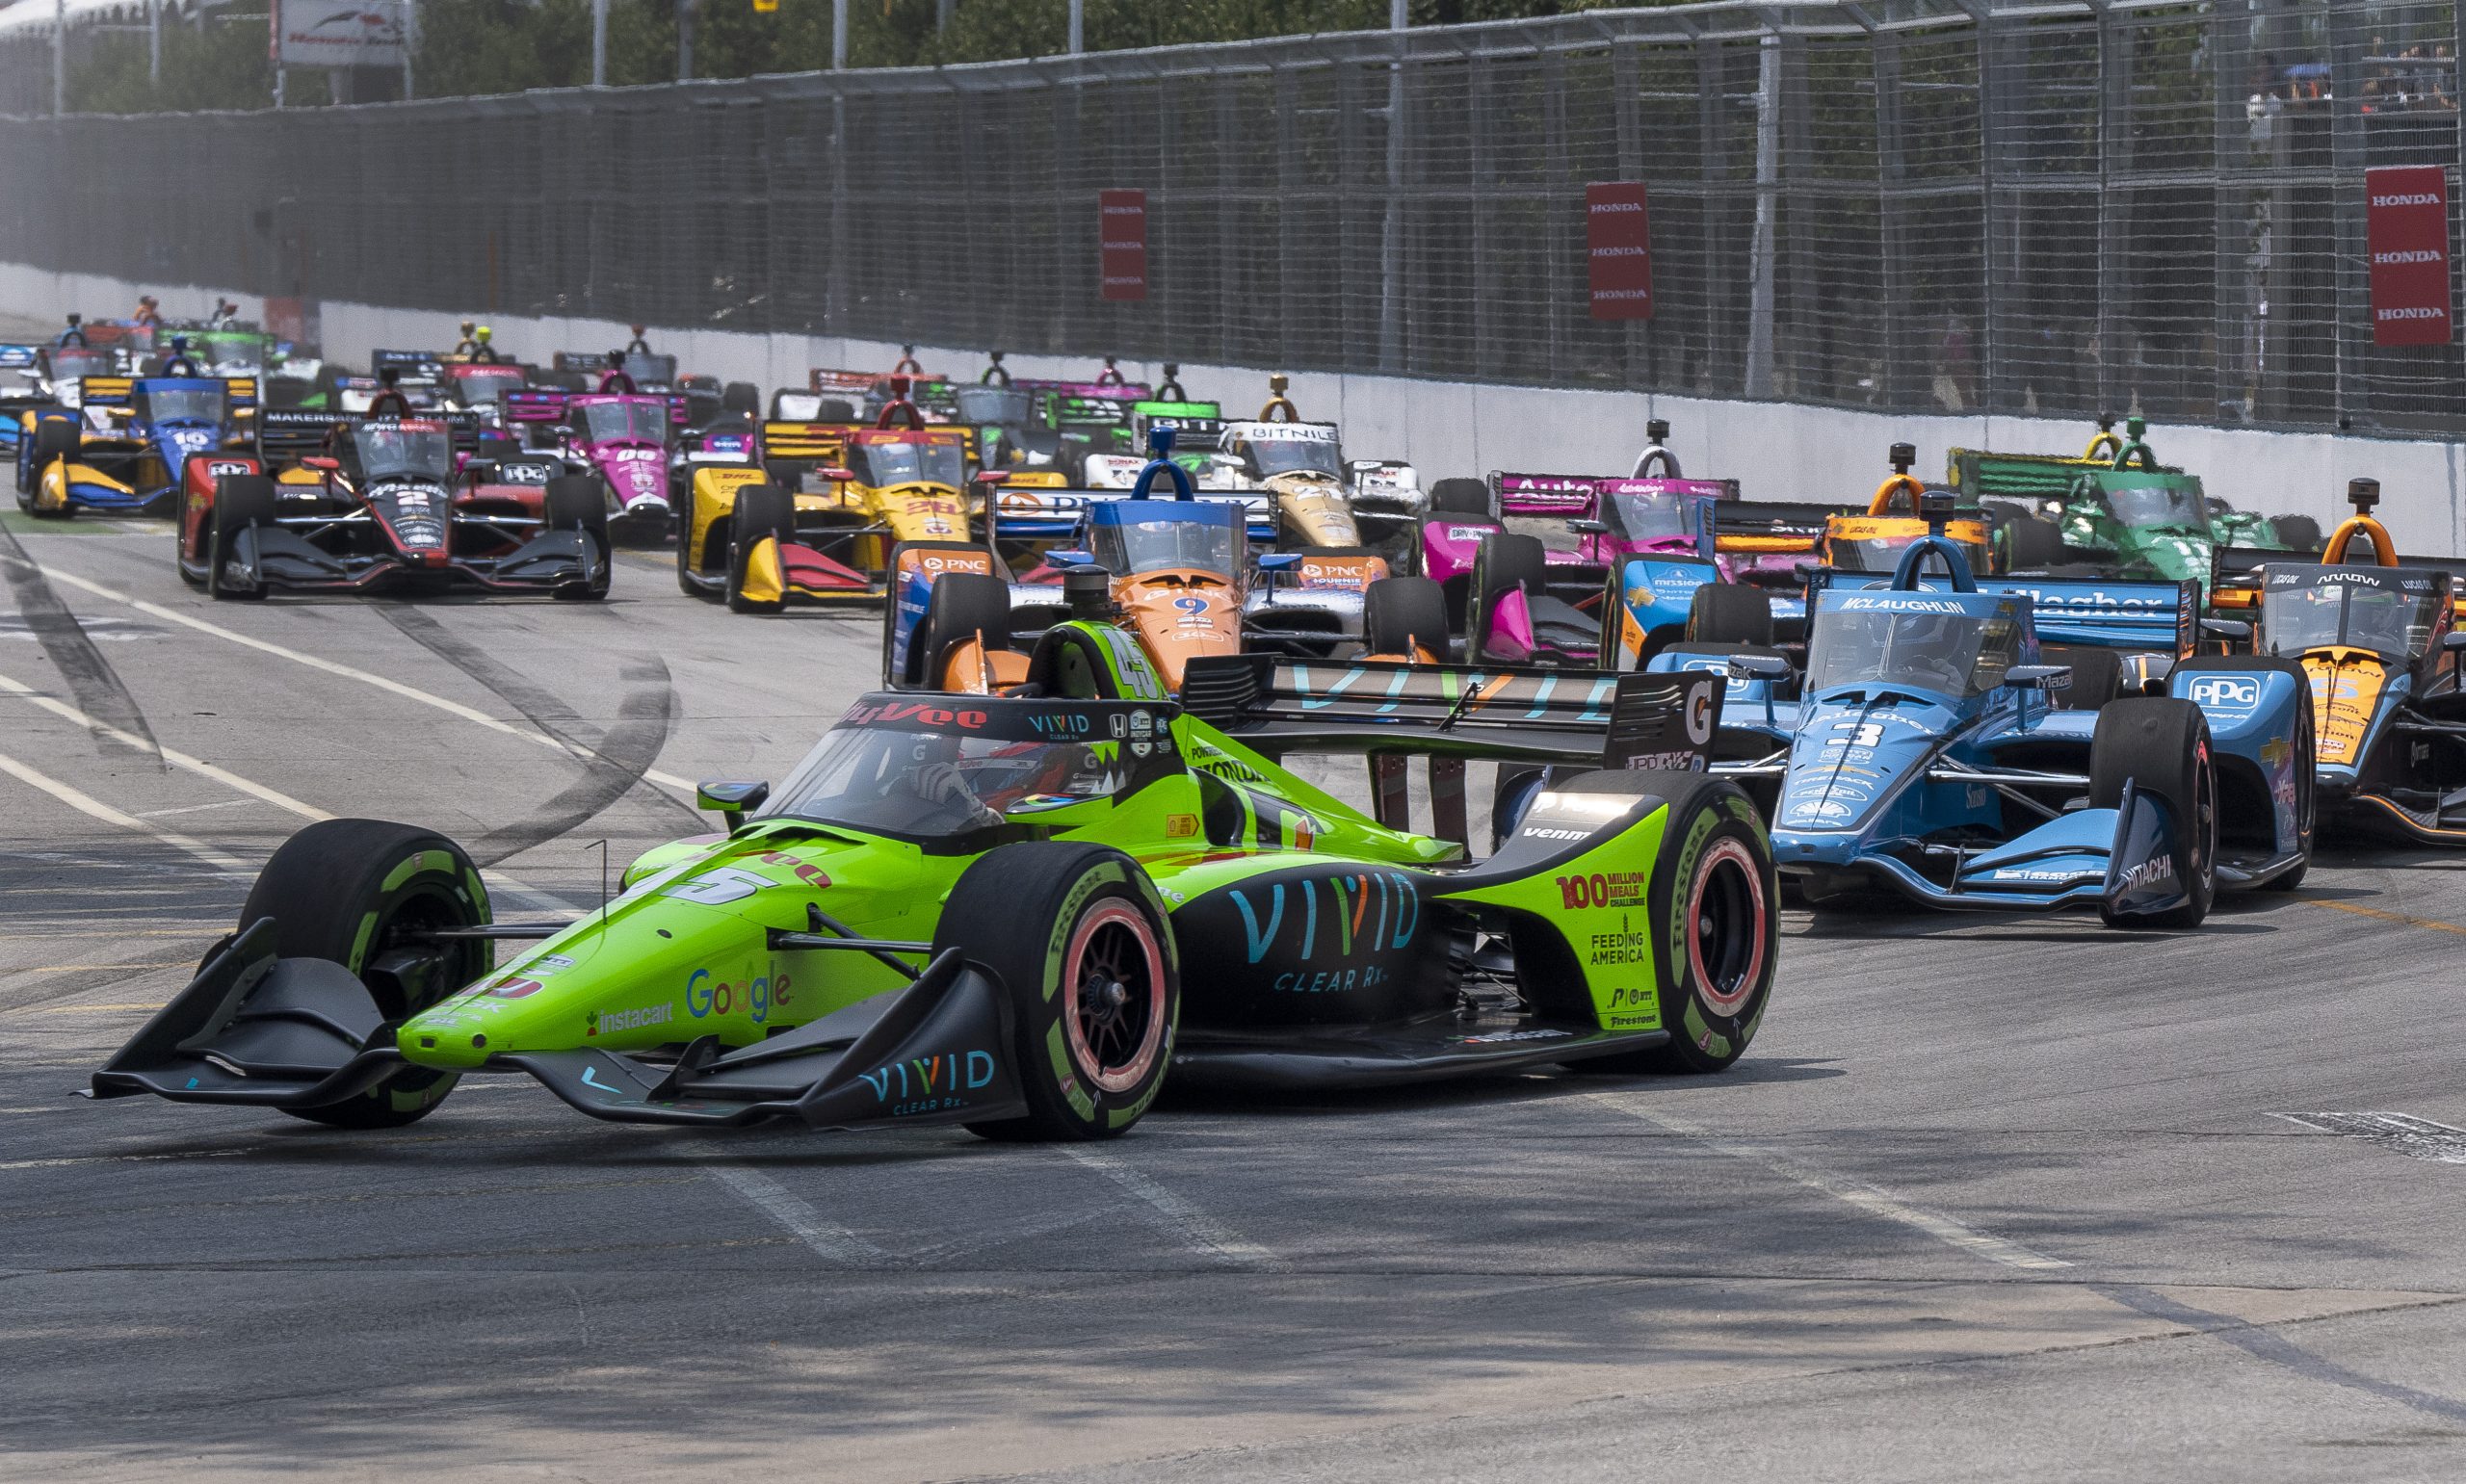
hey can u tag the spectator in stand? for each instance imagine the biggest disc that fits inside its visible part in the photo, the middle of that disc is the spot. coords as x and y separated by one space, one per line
2444 68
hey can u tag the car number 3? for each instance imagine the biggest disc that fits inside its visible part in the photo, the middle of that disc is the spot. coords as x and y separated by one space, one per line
711 888
1869 734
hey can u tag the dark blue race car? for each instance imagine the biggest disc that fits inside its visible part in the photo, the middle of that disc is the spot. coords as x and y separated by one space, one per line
1924 749
123 444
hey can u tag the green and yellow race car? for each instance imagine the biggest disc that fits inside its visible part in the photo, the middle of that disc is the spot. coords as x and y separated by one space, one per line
1019 913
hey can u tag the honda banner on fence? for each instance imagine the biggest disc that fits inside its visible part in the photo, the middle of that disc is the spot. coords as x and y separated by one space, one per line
1618 246
2406 223
1121 244
337 33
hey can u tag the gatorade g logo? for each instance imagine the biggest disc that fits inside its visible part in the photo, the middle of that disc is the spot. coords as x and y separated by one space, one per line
1699 713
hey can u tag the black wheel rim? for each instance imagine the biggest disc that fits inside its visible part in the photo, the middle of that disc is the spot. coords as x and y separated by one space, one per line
1115 987
1729 913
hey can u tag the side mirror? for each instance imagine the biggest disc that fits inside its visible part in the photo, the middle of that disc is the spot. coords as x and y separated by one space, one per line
2453 641
2227 628
321 464
2039 677
730 801
836 475
990 476
1588 527
1279 561
1758 667
1064 561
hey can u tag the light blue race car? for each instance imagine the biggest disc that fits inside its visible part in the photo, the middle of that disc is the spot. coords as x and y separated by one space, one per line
1923 751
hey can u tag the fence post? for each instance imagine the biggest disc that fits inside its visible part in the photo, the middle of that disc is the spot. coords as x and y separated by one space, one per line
1391 233
2231 322
2114 225
1768 176
1229 236
1713 170
1625 80
1480 205
2352 338
1556 229
1892 180
1290 338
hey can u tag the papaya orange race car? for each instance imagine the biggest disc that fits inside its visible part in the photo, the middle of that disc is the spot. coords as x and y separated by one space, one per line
2374 636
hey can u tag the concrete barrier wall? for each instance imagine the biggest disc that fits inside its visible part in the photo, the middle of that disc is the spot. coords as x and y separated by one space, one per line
1775 449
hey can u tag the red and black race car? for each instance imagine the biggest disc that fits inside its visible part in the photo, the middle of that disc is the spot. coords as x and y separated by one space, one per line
335 501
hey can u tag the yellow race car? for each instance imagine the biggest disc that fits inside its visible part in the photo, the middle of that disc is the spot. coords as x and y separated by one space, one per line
813 517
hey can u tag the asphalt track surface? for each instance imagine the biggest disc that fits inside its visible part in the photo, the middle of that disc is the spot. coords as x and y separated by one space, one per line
1990 1198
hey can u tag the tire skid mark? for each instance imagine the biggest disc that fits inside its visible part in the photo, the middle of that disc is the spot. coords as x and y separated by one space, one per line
613 765
100 690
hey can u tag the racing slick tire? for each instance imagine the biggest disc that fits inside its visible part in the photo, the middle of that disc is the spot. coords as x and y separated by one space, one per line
1501 563
1730 613
2162 744
960 606
2097 678
743 399
1461 497
1713 913
2297 533
1077 936
240 501
356 891
55 438
760 510
579 502
2032 544
1399 612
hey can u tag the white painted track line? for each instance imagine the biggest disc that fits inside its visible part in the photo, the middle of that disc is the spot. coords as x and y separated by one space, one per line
1865 1197
391 687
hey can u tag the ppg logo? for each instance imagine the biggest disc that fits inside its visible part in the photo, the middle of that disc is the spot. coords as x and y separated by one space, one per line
2212 692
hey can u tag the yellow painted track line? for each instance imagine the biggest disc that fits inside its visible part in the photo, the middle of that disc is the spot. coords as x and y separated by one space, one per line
2433 925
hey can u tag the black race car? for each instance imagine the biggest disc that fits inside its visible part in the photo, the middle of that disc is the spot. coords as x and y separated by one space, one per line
358 503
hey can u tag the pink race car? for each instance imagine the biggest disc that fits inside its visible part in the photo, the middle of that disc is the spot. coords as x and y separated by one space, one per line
626 439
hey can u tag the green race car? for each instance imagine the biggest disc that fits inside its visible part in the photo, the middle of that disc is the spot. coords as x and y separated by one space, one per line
1017 913
2118 512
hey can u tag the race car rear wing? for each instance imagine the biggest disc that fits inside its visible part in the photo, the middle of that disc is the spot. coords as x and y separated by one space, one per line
1778 519
286 435
2137 616
537 405
1979 474
238 392
2234 572
1578 496
1275 705
426 365
805 442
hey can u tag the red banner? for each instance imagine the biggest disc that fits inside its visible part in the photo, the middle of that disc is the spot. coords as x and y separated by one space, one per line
1618 246
1121 244
2407 226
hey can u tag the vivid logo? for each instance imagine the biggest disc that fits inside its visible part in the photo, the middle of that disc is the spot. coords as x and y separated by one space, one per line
923 1084
1347 910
